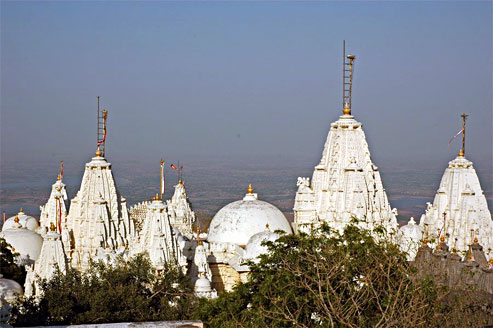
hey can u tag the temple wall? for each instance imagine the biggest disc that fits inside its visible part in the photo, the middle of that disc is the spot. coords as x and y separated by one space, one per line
471 274
224 277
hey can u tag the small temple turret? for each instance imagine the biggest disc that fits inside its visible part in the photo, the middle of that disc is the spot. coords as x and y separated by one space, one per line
157 237
51 258
56 208
459 212
345 184
180 210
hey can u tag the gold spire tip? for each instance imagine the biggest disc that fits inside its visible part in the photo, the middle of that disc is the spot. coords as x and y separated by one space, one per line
347 109
58 178
250 189
16 220
98 152
52 226
475 240
156 197
442 239
21 210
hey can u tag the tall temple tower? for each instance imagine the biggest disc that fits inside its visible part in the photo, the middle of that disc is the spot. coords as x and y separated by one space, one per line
98 218
345 184
459 214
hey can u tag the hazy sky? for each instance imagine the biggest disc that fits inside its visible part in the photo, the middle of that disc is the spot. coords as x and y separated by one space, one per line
244 80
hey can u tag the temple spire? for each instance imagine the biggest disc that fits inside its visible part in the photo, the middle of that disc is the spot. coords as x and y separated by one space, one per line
463 149
347 79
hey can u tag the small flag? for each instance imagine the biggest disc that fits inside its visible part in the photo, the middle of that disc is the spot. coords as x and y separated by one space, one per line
458 134
173 166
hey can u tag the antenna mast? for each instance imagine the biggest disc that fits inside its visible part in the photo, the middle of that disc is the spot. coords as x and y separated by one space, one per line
463 149
97 130
347 79
101 131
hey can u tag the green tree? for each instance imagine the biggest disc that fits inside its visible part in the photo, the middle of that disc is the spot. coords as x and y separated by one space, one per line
125 291
8 268
328 279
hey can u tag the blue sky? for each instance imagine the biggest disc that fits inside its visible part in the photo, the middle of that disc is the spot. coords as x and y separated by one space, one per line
244 80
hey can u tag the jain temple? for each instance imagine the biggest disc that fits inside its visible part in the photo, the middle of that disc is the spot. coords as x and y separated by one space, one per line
98 224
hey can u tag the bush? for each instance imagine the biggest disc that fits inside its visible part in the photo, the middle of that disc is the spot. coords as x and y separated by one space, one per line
329 279
126 291
9 269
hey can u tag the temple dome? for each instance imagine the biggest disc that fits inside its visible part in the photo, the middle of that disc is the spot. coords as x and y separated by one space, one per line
411 230
24 241
254 247
203 285
25 221
238 221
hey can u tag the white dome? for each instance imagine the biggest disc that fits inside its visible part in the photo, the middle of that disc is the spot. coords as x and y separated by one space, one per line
254 247
24 241
203 285
25 221
9 289
238 221
411 231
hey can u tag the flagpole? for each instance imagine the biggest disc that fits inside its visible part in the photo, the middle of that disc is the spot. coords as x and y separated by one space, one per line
60 220
162 179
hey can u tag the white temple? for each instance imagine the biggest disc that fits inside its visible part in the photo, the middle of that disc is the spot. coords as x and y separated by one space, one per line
98 216
459 212
345 184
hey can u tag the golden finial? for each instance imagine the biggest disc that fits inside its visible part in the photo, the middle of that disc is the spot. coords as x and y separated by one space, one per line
179 181
13 249
442 238
16 219
21 210
267 226
156 197
250 189
475 240
52 227
347 109
98 152
58 178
